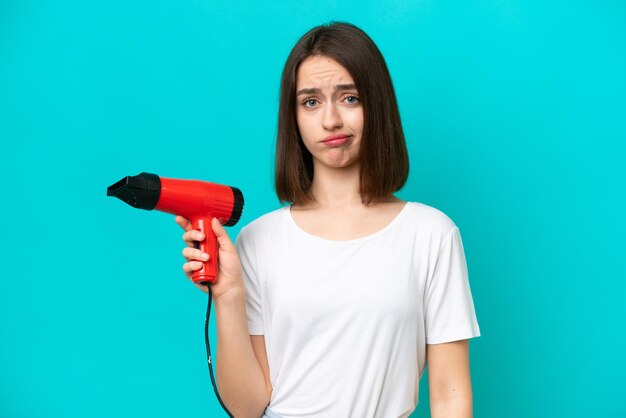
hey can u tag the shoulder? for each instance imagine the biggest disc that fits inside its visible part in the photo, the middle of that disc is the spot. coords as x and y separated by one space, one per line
428 218
262 226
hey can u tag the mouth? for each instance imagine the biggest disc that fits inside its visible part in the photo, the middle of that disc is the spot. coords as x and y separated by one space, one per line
336 140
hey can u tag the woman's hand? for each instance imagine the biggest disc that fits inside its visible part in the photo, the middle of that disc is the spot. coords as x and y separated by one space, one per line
229 274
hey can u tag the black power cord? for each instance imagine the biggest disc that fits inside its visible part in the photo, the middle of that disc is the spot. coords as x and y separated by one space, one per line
208 353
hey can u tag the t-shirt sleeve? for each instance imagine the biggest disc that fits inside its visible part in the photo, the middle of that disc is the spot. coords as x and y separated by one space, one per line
247 256
448 307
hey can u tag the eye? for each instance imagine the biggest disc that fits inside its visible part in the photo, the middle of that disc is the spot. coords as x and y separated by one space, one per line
310 102
351 99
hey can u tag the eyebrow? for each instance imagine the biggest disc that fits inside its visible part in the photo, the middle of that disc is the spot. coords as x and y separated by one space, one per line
315 90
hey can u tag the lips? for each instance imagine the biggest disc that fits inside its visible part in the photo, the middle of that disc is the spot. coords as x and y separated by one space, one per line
336 140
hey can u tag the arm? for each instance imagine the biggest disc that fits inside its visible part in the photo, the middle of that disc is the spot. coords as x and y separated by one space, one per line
241 364
449 380
242 369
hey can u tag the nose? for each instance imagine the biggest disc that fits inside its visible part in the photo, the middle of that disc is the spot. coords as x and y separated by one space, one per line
331 119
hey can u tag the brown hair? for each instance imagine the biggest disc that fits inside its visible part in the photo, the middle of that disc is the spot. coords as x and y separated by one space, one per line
383 156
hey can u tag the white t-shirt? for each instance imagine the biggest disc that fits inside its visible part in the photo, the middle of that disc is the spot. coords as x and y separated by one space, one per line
346 323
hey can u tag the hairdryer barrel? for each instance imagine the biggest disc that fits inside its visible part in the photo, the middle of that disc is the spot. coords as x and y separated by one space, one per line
198 201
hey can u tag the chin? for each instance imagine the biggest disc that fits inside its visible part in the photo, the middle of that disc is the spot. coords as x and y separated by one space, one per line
339 161
341 164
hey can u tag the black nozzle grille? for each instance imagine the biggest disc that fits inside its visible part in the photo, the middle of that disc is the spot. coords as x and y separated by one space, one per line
237 207
141 191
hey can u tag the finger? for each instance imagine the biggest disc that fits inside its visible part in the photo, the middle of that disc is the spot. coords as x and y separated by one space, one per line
183 222
191 266
222 237
194 254
191 236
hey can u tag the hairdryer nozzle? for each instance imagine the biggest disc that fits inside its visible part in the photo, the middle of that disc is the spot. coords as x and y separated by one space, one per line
141 191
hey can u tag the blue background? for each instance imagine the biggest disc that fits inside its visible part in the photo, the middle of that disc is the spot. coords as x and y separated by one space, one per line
515 116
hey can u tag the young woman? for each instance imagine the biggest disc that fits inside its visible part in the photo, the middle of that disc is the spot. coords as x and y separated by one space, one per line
330 306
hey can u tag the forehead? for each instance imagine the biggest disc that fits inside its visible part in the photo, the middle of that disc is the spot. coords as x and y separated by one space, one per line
320 71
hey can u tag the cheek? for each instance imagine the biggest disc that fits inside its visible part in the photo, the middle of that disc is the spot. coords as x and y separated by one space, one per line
355 119
304 126
352 114
359 123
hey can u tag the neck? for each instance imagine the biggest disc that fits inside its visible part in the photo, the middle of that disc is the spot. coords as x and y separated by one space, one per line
333 187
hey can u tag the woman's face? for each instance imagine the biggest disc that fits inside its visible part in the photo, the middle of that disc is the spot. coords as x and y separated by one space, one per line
329 112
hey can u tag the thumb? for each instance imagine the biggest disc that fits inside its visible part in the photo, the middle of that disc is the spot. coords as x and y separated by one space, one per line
222 236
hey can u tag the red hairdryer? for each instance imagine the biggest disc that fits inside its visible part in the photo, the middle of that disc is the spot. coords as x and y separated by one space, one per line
198 201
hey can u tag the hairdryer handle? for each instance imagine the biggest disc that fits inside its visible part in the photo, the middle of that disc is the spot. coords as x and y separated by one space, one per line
208 273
